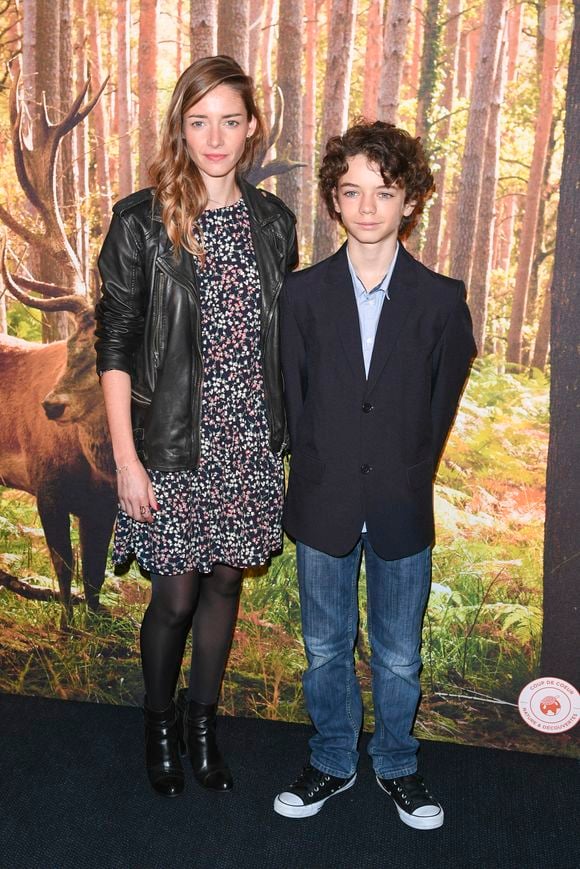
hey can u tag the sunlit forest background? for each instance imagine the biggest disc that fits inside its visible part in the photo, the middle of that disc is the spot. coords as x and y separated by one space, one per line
484 84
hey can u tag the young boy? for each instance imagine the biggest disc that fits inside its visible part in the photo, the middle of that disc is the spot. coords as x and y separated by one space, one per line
376 350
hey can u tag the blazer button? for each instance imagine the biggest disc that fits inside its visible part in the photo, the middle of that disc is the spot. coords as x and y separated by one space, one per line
367 407
365 469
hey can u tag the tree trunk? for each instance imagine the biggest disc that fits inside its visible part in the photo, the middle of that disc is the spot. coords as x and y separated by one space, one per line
47 56
533 323
514 34
266 47
11 33
560 647
147 75
47 87
481 271
67 155
429 66
462 71
203 28
542 343
124 97
473 39
539 254
81 134
29 58
110 101
234 30
309 126
339 57
431 252
463 240
534 290
256 8
414 64
289 146
373 58
534 189
14 36
447 233
394 44
99 120
29 95
510 211
178 38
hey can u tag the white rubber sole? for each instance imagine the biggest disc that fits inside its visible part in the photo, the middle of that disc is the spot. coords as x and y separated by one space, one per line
308 811
417 822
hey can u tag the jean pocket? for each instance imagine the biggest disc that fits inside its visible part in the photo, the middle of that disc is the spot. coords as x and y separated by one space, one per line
307 466
421 474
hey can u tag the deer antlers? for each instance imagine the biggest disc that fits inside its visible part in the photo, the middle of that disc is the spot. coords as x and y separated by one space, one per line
59 298
260 172
36 171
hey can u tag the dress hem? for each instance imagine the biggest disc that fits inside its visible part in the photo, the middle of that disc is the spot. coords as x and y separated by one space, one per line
203 568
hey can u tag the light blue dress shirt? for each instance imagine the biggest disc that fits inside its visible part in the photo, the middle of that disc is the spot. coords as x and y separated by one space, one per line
369 305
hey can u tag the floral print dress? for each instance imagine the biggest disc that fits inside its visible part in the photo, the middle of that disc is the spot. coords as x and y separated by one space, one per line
229 509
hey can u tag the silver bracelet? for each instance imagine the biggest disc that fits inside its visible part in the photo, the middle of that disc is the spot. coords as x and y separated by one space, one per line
122 468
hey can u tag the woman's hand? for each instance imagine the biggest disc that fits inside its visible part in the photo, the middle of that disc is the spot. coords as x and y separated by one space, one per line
136 496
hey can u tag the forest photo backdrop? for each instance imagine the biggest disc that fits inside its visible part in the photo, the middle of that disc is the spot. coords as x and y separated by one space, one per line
485 85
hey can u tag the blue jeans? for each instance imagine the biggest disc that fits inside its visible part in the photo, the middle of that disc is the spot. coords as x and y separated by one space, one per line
397 593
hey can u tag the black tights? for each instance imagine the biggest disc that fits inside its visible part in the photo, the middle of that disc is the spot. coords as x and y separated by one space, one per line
210 602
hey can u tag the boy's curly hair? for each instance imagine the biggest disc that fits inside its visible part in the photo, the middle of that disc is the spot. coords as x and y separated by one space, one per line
400 158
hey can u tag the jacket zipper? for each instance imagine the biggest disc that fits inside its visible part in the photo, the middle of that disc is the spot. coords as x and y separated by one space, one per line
271 313
277 292
158 321
139 398
191 288
197 389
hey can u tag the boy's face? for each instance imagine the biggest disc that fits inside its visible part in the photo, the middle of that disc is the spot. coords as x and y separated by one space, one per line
370 211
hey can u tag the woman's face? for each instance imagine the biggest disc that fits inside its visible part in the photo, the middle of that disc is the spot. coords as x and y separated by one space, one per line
215 130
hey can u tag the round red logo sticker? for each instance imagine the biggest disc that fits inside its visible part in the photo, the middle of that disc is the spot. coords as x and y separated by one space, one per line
550 705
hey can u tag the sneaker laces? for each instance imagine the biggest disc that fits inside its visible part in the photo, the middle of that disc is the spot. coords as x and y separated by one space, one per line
413 789
309 778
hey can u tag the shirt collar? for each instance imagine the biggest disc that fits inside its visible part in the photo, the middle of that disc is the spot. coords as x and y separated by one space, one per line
382 286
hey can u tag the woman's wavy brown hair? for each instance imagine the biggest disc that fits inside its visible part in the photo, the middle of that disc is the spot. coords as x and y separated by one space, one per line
178 184
400 158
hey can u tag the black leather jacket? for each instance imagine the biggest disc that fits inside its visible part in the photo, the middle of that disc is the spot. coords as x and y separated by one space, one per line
149 322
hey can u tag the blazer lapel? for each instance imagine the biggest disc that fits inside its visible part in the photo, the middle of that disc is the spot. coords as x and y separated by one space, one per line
344 311
403 296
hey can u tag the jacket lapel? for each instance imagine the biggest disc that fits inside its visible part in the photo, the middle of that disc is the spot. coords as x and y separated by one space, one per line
403 296
268 249
180 268
344 311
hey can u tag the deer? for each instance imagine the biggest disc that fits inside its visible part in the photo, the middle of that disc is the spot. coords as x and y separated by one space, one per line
54 440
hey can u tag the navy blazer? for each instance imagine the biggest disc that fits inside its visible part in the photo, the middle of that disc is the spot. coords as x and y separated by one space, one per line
367 450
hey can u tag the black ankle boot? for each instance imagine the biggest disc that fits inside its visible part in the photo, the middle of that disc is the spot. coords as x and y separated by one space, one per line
198 729
162 751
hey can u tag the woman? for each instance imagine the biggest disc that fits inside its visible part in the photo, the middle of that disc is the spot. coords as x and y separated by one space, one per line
188 354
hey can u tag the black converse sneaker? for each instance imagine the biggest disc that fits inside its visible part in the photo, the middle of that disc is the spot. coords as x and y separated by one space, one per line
307 795
415 805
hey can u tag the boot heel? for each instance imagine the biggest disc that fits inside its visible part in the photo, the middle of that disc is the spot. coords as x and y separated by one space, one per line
162 759
199 733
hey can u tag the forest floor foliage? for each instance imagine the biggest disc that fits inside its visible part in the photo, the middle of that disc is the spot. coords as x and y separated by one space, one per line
482 632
